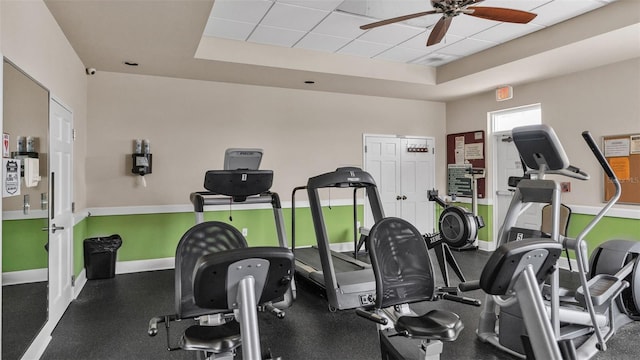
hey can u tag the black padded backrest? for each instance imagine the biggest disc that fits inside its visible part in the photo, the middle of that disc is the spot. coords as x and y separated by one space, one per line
202 239
400 262
508 261
212 281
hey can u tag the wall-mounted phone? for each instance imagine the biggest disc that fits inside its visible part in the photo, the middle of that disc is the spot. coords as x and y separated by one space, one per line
142 158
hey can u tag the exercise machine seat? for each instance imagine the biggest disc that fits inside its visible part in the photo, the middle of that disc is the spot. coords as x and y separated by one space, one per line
435 325
404 274
215 339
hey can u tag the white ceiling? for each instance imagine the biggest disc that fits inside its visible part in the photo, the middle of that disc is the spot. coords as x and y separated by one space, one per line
166 38
333 26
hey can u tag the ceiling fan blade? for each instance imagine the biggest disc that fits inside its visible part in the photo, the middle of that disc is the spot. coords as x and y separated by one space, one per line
439 30
397 19
501 14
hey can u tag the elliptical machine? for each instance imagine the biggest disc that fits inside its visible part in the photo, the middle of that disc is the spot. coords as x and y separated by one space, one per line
579 323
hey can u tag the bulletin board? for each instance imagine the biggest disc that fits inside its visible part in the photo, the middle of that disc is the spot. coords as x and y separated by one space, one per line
467 148
623 154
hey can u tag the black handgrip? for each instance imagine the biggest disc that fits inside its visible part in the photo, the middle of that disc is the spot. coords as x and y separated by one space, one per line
469 285
599 155
372 316
462 299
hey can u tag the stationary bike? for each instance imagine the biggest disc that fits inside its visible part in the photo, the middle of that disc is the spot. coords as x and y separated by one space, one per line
566 324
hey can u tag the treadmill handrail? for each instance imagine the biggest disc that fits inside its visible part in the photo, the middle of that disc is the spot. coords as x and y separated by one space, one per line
342 177
199 199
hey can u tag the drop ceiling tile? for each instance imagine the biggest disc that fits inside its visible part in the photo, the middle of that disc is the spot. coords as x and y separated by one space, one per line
390 34
250 11
341 25
228 29
321 42
420 42
401 54
525 5
293 17
363 48
560 10
328 5
506 31
466 47
465 25
275 36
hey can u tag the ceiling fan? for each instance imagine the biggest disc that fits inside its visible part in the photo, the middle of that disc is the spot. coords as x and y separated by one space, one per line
452 8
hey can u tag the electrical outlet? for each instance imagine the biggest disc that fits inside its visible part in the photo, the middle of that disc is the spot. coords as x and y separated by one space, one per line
565 186
245 231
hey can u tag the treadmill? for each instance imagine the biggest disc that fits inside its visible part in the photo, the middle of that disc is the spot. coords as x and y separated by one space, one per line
240 182
349 283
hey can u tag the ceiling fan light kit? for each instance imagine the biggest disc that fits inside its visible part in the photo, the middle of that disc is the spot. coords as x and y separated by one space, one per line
452 8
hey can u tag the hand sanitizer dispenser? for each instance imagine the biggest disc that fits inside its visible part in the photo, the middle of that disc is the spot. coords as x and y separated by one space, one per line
31 172
141 158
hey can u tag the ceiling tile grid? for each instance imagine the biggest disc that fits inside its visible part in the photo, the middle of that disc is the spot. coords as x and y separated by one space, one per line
333 26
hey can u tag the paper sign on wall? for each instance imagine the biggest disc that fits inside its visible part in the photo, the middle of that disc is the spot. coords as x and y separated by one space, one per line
11 178
616 147
5 145
474 151
621 167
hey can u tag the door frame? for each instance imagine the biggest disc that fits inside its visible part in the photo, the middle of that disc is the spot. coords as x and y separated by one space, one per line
492 185
495 137
41 341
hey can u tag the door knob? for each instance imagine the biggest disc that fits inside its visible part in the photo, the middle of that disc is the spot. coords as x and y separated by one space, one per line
398 197
404 197
53 228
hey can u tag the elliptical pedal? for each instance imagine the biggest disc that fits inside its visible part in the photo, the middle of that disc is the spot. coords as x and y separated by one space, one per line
602 288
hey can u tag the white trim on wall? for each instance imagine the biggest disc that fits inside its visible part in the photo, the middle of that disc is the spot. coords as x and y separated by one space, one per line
25 276
165 209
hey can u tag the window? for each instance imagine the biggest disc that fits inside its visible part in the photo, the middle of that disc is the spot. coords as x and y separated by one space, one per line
505 120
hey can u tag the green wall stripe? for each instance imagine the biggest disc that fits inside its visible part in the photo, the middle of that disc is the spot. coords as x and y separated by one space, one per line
154 236
23 244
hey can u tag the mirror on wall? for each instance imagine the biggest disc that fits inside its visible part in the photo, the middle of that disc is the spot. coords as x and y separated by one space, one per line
25 211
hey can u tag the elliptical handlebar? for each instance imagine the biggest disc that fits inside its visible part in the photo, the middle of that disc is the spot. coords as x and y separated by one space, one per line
599 155
612 176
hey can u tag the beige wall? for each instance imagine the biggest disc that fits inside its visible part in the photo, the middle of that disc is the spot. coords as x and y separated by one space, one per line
190 124
33 41
604 100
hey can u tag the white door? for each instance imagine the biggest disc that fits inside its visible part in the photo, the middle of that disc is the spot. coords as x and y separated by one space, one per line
508 164
60 209
382 156
417 178
403 178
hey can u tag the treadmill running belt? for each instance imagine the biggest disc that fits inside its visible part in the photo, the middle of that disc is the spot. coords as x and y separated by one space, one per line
311 257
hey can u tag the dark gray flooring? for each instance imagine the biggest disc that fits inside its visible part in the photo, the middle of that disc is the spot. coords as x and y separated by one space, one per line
109 321
24 312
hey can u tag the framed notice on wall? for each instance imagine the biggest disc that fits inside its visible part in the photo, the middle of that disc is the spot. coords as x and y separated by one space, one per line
465 150
623 154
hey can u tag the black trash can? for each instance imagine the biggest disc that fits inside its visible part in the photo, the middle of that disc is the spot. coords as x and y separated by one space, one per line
100 256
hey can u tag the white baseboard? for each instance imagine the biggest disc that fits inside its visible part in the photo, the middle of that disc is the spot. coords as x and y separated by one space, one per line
81 280
127 267
24 276
38 345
